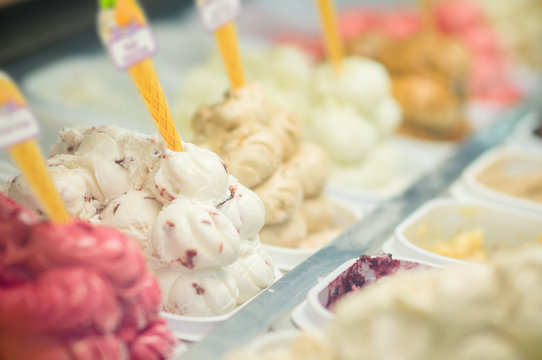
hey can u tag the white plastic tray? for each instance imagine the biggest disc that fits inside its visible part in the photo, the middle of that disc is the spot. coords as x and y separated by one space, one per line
194 328
312 315
479 190
441 219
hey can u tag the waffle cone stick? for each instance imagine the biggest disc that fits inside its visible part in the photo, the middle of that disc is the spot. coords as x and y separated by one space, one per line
331 33
226 38
144 76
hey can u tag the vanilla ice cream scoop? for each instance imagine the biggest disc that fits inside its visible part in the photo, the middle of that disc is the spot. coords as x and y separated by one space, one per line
361 82
346 134
244 209
192 235
195 173
134 213
252 271
199 293
78 189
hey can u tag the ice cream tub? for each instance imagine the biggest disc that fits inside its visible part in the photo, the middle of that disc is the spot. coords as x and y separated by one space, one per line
317 310
344 215
508 175
195 328
449 231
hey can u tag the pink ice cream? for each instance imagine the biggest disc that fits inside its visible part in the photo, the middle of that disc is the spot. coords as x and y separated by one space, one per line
75 291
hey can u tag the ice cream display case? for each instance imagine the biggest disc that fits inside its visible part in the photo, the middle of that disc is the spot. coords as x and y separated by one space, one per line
305 187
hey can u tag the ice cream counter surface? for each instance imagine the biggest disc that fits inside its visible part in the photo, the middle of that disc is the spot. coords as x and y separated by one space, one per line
366 236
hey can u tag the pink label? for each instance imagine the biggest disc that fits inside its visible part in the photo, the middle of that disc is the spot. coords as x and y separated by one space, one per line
215 13
17 124
130 45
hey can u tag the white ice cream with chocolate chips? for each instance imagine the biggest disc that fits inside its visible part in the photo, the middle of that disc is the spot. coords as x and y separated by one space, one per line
196 223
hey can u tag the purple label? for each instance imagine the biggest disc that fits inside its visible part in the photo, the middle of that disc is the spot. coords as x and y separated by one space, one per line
216 13
17 124
131 45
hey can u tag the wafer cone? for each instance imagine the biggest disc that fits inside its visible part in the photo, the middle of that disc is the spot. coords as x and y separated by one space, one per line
148 85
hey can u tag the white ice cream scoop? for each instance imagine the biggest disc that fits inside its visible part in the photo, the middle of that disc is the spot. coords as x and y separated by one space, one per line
244 209
133 213
191 235
253 271
199 293
194 173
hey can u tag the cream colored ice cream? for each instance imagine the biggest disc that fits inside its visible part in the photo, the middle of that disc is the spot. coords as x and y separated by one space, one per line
196 223
462 313
349 115
262 146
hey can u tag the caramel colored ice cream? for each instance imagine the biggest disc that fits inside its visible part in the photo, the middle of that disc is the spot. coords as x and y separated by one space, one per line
262 145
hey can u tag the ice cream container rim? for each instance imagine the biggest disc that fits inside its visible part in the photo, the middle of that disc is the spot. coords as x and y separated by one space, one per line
195 328
287 258
319 310
436 259
469 177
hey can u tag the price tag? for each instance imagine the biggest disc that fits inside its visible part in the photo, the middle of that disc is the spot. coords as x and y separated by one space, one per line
17 122
216 13
126 45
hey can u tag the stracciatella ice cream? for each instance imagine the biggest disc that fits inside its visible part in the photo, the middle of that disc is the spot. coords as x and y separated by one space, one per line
350 115
75 291
466 313
197 225
262 146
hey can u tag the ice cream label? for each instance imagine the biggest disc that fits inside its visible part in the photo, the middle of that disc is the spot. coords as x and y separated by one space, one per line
130 45
128 42
215 13
17 123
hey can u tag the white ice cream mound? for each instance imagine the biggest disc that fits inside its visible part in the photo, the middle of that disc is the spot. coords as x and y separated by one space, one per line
465 313
349 115
197 225
262 146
